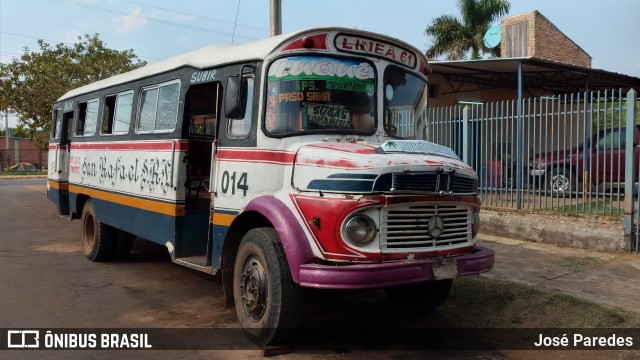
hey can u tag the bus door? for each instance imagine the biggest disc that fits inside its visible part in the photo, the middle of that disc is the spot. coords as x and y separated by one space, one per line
200 129
63 158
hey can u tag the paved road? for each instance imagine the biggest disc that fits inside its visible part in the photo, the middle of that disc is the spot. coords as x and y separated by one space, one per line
45 282
19 182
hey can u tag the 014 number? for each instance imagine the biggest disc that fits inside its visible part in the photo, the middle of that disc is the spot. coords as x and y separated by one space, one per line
231 181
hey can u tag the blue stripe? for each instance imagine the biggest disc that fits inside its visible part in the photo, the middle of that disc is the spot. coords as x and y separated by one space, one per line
156 227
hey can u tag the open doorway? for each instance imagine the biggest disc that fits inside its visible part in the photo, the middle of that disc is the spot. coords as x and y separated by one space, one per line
201 127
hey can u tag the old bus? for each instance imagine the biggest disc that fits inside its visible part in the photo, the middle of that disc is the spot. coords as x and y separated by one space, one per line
292 162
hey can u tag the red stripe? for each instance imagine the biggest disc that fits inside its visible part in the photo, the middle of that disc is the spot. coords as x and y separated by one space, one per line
256 155
132 146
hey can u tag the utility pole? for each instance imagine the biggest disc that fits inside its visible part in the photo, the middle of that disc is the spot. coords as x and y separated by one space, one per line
275 10
6 111
6 133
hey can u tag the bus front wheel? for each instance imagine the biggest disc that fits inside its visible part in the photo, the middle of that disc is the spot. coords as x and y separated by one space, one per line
98 239
268 302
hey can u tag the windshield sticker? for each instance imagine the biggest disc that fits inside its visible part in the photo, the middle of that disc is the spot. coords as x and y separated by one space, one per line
322 115
302 96
417 146
271 113
351 86
309 68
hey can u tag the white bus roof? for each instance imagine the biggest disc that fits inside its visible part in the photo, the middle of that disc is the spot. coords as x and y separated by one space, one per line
214 55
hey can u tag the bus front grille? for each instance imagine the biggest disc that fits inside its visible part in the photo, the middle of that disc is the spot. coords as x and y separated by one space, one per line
406 228
435 182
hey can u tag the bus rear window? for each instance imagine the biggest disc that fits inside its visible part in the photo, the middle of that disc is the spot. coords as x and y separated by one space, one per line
319 94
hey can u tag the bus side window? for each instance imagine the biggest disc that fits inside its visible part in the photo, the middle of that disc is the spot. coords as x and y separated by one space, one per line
55 123
159 108
107 114
116 116
87 118
241 128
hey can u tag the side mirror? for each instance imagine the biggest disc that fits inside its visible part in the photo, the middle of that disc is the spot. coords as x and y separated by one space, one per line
235 97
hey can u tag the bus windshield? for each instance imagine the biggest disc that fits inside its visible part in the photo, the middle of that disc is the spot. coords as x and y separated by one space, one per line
320 94
405 104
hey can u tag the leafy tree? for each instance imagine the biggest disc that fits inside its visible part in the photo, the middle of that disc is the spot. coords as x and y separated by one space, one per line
456 37
17 132
31 84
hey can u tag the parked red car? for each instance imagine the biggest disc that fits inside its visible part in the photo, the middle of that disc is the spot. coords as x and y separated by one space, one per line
557 171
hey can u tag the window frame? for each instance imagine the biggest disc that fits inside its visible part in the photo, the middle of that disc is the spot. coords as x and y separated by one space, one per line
117 96
417 114
139 108
247 114
265 96
84 123
56 123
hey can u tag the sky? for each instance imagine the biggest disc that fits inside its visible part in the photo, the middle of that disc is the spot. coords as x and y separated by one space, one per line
609 31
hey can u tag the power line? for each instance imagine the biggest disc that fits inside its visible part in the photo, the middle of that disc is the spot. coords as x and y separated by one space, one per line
34 37
60 42
9 54
101 9
236 22
193 15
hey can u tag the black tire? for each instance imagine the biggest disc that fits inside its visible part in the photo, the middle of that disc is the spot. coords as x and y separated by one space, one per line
424 296
98 239
268 302
122 247
560 181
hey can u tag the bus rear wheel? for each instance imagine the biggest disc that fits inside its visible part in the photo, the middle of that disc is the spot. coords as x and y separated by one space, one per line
98 239
268 302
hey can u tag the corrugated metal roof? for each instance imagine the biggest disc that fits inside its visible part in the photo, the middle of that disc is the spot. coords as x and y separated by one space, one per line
537 73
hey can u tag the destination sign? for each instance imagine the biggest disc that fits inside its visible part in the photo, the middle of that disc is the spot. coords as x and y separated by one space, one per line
363 45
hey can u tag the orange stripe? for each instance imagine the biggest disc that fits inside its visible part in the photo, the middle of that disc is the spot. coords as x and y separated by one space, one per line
58 185
144 204
222 219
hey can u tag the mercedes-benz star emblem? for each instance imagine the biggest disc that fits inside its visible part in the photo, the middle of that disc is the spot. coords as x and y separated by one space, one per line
436 226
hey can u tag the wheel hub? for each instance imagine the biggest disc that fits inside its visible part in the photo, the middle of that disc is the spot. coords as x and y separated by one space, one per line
559 183
253 288
89 232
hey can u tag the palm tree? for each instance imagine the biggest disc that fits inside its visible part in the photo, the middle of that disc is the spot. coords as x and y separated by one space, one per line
455 37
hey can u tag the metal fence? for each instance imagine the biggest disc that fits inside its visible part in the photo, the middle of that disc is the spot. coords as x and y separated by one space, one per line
566 153
563 153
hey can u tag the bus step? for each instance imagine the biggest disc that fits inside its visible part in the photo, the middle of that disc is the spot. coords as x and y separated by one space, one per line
195 262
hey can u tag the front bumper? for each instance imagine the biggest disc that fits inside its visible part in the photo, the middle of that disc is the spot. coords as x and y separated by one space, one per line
537 173
379 275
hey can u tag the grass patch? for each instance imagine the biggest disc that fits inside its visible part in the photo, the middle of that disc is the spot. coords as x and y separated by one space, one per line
578 263
602 207
481 302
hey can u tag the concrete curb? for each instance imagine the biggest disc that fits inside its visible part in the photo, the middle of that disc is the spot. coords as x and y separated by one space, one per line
601 233
22 177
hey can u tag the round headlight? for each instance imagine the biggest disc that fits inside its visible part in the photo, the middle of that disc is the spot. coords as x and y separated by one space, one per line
475 226
360 229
